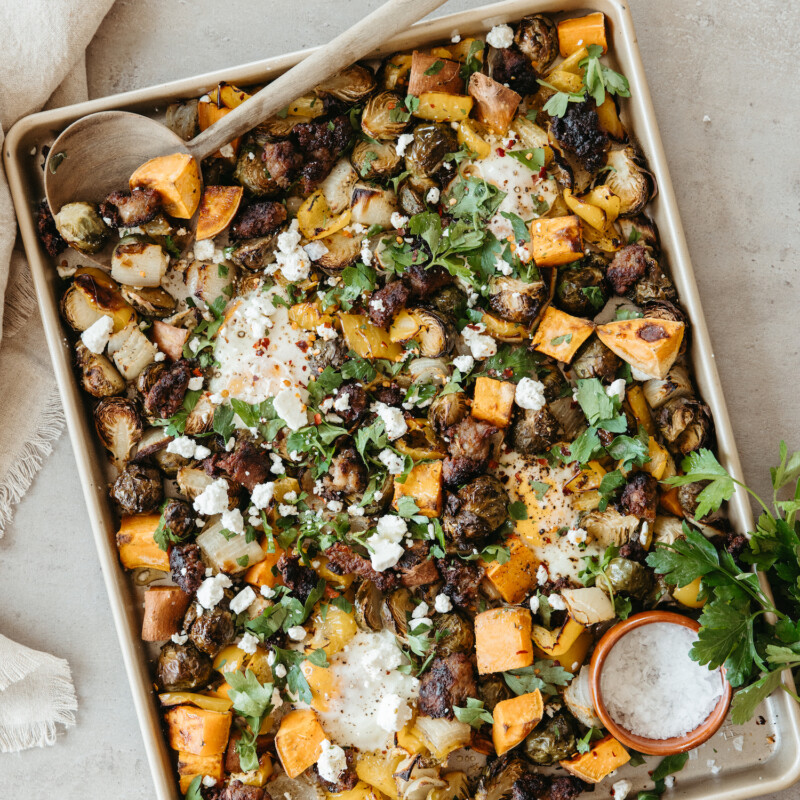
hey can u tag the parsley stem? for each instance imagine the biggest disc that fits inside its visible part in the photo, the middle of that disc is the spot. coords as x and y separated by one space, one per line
753 494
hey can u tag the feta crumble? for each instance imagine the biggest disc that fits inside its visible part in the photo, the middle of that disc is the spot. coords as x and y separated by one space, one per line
262 494
541 575
556 602
403 141
393 713
480 345
248 643
204 250
420 611
443 604
291 259
392 461
433 195
393 420
96 336
212 590
620 789
332 762
463 364
398 220
500 37
296 633
232 520
577 536
243 600
530 394
617 389
534 603
213 499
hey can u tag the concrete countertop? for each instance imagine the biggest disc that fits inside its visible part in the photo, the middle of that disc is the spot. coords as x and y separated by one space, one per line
720 72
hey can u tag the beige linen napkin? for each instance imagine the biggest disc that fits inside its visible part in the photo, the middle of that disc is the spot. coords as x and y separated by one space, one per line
42 56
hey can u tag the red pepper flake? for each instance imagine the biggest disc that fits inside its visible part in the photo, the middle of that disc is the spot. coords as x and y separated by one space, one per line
508 372
317 418
493 464
303 345
261 343
501 152
542 174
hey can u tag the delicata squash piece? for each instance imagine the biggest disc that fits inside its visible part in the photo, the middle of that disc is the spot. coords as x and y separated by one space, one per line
578 32
556 241
515 579
209 703
503 640
560 335
649 345
604 757
177 180
315 218
366 339
469 137
198 731
495 104
432 73
298 741
136 545
514 719
441 107
424 484
493 401
217 209
557 642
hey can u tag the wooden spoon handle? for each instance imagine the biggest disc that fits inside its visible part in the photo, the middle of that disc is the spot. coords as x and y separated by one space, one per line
360 40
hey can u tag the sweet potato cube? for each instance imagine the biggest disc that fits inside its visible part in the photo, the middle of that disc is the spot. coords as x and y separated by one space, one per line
424 484
514 719
443 107
495 104
136 545
298 741
560 334
262 574
650 345
432 73
517 577
197 731
164 607
556 241
604 757
503 640
190 766
170 339
557 642
494 401
578 32
217 209
177 180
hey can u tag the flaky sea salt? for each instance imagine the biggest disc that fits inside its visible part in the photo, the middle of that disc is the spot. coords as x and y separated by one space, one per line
652 688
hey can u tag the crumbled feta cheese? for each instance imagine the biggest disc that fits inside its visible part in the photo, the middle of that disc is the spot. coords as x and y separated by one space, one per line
617 389
500 37
232 520
335 505
315 250
277 467
195 383
385 543
393 713
403 141
194 345
556 602
267 591
523 254
480 345
262 494
398 220
209 781
577 536
366 253
213 499
534 603
502 266
355 511
212 590
541 575
530 394
96 336
159 356
243 600
393 420
296 633
290 408
433 195
377 304
342 402
180 638
420 611
280 671
201 452
182 446
286 510
620 789
227 151
392 527
291 259
204 250
455 38
392 461
332 762
644 534
326 332
463 364
276 699
669 781
443 604
248 643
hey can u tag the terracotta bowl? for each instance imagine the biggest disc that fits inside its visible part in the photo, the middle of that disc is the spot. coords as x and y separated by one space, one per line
657 747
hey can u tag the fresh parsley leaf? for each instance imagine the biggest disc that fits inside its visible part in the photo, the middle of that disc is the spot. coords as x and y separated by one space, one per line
556 105
594 295
702 465
518 511
565 338
366 166
627 313
544 675
521 232
171 247
670 765
223 421
599 79
634 236
511 363
475 199
531 157
358 368
326 383
194 792
473 713
435 68
746 701
473 62
583 744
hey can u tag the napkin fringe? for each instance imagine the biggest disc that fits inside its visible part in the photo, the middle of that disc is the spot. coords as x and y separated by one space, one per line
20 304
29 462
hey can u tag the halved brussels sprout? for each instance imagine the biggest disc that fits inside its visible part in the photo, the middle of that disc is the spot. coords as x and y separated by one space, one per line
628 577
280 127
481 508
412 193
516 301
396 610
98 375
456 634
138 489
429 370
432 142
434 332
676 384
552 742
498 779
581 290
255 254
251 170
343 250
654 287
82 227
609 527
493 690
119 427
375 160
372 205
447 410
451 300
640 229
537 37
685 424
350 85
628 181
368 603
595 360
534 432
380 119
457 788
182 118
152 301
569 415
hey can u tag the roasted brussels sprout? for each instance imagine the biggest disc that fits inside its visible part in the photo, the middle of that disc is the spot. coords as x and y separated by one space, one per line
182 667
516 301
581 290
654 286
609 527
432 142
447 410
595 360
375 160
350 85
450 300
138 489
685 424
332 353
555 385
81 227
343 250
429 371
537 38
119 427
368 602
628 181
152 301
179 518
396 611
99 377
534 432
687 497
412 193
252 171
255 254
457 788
378 121
415 777
182 118
493 690
433 331
640 229
149 376
212 630
628 577
478 509
676 384
498 779
456 634
551 742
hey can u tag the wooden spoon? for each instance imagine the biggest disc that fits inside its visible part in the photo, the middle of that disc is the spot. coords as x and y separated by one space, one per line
101 151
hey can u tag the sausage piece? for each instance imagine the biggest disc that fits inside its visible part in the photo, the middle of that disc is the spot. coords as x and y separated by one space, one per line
449 682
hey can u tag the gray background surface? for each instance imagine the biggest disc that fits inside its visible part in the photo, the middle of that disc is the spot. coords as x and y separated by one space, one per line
737 177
